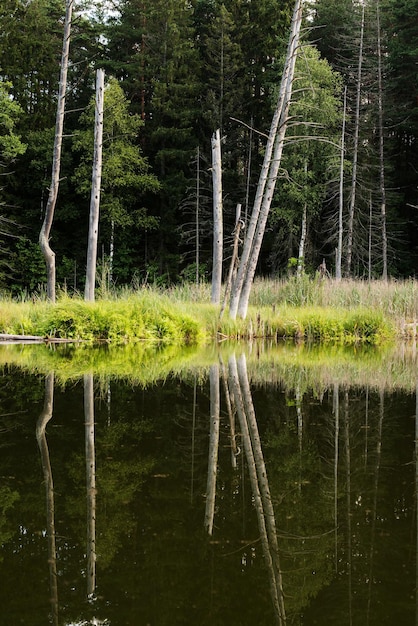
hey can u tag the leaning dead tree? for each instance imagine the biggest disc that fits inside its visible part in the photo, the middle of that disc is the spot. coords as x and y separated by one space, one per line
240 292
44 235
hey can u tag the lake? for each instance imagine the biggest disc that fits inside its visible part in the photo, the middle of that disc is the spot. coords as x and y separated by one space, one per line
243 485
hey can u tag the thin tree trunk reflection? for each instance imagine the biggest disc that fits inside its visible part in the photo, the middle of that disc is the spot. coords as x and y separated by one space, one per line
336 410
259 482
374 511
213 447
193 437
348 488
416 504
229 400
43 420
90 482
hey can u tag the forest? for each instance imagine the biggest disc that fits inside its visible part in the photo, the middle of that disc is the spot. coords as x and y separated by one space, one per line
175 72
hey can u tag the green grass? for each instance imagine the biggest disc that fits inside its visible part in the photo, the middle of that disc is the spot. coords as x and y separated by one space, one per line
305 309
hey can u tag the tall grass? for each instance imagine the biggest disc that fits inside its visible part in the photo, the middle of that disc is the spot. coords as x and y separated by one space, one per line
395 298
321 310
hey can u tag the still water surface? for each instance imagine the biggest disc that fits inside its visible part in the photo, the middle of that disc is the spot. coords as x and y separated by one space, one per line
213 497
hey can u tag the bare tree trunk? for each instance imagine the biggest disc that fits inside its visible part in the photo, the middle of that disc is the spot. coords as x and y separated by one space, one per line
90 482
217 218
338 264
355 152
48 253
237 230
301 256
268 176
213 447
381 148
95 190
370 238
198 217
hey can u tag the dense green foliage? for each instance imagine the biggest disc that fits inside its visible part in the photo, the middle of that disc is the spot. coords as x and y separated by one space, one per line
176 72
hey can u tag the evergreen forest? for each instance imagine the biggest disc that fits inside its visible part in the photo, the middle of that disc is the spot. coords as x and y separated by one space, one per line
175 72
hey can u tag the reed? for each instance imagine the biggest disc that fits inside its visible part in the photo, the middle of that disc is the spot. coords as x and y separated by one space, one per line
395 298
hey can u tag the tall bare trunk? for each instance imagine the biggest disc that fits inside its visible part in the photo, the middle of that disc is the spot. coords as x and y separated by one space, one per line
303 231
381 148
198 216
350 230
43 420
338 264
95 190
44 235
217 218
267 181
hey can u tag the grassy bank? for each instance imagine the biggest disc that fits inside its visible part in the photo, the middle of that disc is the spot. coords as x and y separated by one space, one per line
317 310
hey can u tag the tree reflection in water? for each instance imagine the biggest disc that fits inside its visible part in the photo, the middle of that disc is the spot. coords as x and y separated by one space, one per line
240 388
42 422
318 517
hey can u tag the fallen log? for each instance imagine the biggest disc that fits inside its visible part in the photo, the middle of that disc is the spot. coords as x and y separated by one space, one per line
10 338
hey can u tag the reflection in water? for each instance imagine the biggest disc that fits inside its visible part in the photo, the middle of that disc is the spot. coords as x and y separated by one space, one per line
43 420
238 378
416 504
336 413
349 516
325 495
90 482
372 575
215 403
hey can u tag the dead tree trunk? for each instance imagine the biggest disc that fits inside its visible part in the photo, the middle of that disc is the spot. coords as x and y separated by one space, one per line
381 148
95 190
350 229
338 264
217 218
242 286
303 233
44 235
232 268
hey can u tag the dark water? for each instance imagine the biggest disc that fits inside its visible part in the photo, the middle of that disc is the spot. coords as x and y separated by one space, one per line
107 517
